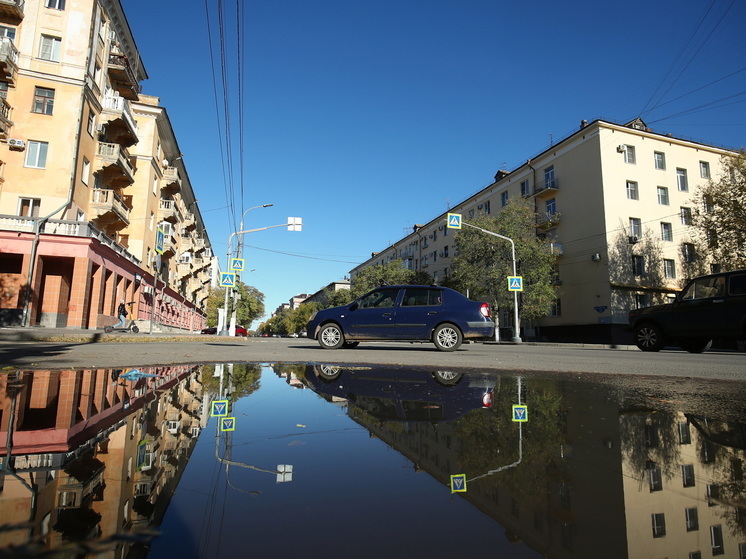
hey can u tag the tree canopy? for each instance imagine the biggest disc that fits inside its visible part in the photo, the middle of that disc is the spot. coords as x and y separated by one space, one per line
720 214
483 262
249 304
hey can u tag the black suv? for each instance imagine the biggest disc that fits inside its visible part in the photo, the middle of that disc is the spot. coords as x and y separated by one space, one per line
709 307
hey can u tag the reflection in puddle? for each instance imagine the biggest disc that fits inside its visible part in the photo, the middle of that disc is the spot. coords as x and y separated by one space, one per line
363 458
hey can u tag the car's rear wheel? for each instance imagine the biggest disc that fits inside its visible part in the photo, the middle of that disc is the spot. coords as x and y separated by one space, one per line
447 337
331 336
696 346
649 337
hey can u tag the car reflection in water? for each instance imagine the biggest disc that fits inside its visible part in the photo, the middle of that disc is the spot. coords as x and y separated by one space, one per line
403 394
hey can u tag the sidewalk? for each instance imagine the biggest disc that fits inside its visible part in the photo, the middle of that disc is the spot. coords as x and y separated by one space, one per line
40 334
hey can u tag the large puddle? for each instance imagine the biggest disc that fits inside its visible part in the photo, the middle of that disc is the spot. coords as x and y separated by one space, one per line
280 460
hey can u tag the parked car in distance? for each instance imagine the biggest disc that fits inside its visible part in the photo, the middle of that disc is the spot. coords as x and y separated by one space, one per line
403 313
240 331
709 307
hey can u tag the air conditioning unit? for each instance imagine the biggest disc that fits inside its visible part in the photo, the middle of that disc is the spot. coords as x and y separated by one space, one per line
621 149
633 239
15 143
148 290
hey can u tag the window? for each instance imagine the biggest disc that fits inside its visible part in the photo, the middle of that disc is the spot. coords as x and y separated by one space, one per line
629 155
709 205
486 207
50 48
666 231
381 298
36 154
742 550
549 180
659 525
712 238
690 255
669 268
704 169
91 123
29 207
681 180
642 300
686 215
551 207
692 519
635 227
632 192
85 172
9 32
445 251
55 4
504 199
687 475
655 477
660 160
716 539
638 265
663 196
713 493
525 188
555 309
695 555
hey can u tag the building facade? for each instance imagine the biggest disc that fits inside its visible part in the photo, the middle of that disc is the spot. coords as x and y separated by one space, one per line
615 204
95 202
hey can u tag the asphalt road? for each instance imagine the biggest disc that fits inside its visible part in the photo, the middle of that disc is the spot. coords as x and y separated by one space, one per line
94 351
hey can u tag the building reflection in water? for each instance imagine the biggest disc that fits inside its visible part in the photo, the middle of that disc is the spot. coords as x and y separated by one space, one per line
93 455
602 473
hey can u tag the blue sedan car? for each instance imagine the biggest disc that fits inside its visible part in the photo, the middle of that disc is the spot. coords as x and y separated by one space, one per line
403 312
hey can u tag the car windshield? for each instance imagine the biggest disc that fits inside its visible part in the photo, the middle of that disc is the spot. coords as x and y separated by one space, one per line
704 288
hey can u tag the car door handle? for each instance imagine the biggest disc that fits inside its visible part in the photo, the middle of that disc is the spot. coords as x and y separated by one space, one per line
718 300
387 314
432 312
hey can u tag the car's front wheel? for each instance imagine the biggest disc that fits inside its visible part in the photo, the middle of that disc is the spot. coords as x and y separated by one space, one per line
447 337
696 346
331 336
649 337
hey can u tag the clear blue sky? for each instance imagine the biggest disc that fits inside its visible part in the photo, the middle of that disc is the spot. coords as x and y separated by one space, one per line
364 117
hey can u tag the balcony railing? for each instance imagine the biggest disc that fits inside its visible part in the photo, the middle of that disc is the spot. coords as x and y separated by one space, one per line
547 220
121 106
115 154
108 200
547 186
171 179
66 228
8 59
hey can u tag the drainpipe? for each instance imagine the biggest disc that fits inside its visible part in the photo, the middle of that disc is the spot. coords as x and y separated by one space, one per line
39 223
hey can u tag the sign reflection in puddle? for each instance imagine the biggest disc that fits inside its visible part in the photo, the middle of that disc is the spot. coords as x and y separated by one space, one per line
598 467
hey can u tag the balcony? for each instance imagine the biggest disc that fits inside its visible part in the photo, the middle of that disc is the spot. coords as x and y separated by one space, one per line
120 124
198 244
11 10
122 74
8 60
108 206
5 122
168 211
171 180
547 187
547 220
114 162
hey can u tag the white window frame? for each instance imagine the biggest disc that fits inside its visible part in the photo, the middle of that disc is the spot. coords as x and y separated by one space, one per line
659 524
34 205
504 198
686 215
85 172
682 181
660 160
669 268
36 154
663 198
629 155
50 48
692 519
633 192
635 227
666 231
704 169
55 4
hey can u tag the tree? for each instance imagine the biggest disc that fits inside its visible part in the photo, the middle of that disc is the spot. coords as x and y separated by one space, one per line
249 304
720 214
391 273
483 262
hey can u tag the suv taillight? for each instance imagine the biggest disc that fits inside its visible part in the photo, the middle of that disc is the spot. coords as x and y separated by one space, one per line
485 310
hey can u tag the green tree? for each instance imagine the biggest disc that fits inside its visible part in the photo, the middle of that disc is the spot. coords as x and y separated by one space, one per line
249 304
391 273
483 262
720 214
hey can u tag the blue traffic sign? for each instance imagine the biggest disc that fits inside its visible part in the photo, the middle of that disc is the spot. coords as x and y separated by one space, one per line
515 283
520 413
454 221
238 264
227 423
458 483
160 240
227 279
219 408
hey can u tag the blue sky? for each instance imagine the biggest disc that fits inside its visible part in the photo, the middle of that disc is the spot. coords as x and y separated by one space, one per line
364 118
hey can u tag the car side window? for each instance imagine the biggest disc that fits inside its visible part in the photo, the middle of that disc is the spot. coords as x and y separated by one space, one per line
705 288
421 297
737 285
380 298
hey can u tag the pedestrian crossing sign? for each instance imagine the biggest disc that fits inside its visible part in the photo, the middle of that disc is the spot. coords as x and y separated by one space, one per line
458 483
227 423
454 221
237 264
219 408
227 279
515 283
520 413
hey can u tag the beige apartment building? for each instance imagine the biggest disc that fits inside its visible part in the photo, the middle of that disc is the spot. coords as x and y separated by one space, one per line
96 205
614 202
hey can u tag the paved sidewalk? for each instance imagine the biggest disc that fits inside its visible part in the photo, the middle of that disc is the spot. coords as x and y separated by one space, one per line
39 334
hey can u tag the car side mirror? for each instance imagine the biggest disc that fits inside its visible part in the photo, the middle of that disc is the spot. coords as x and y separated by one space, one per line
354 306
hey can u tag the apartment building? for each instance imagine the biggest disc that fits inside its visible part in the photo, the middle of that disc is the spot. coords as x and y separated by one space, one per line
96 205
614 202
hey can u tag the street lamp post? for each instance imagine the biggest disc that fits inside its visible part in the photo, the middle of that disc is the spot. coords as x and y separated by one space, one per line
516 325
293 224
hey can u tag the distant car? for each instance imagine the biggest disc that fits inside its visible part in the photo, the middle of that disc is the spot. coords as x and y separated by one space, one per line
709 307
240 331
403 312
